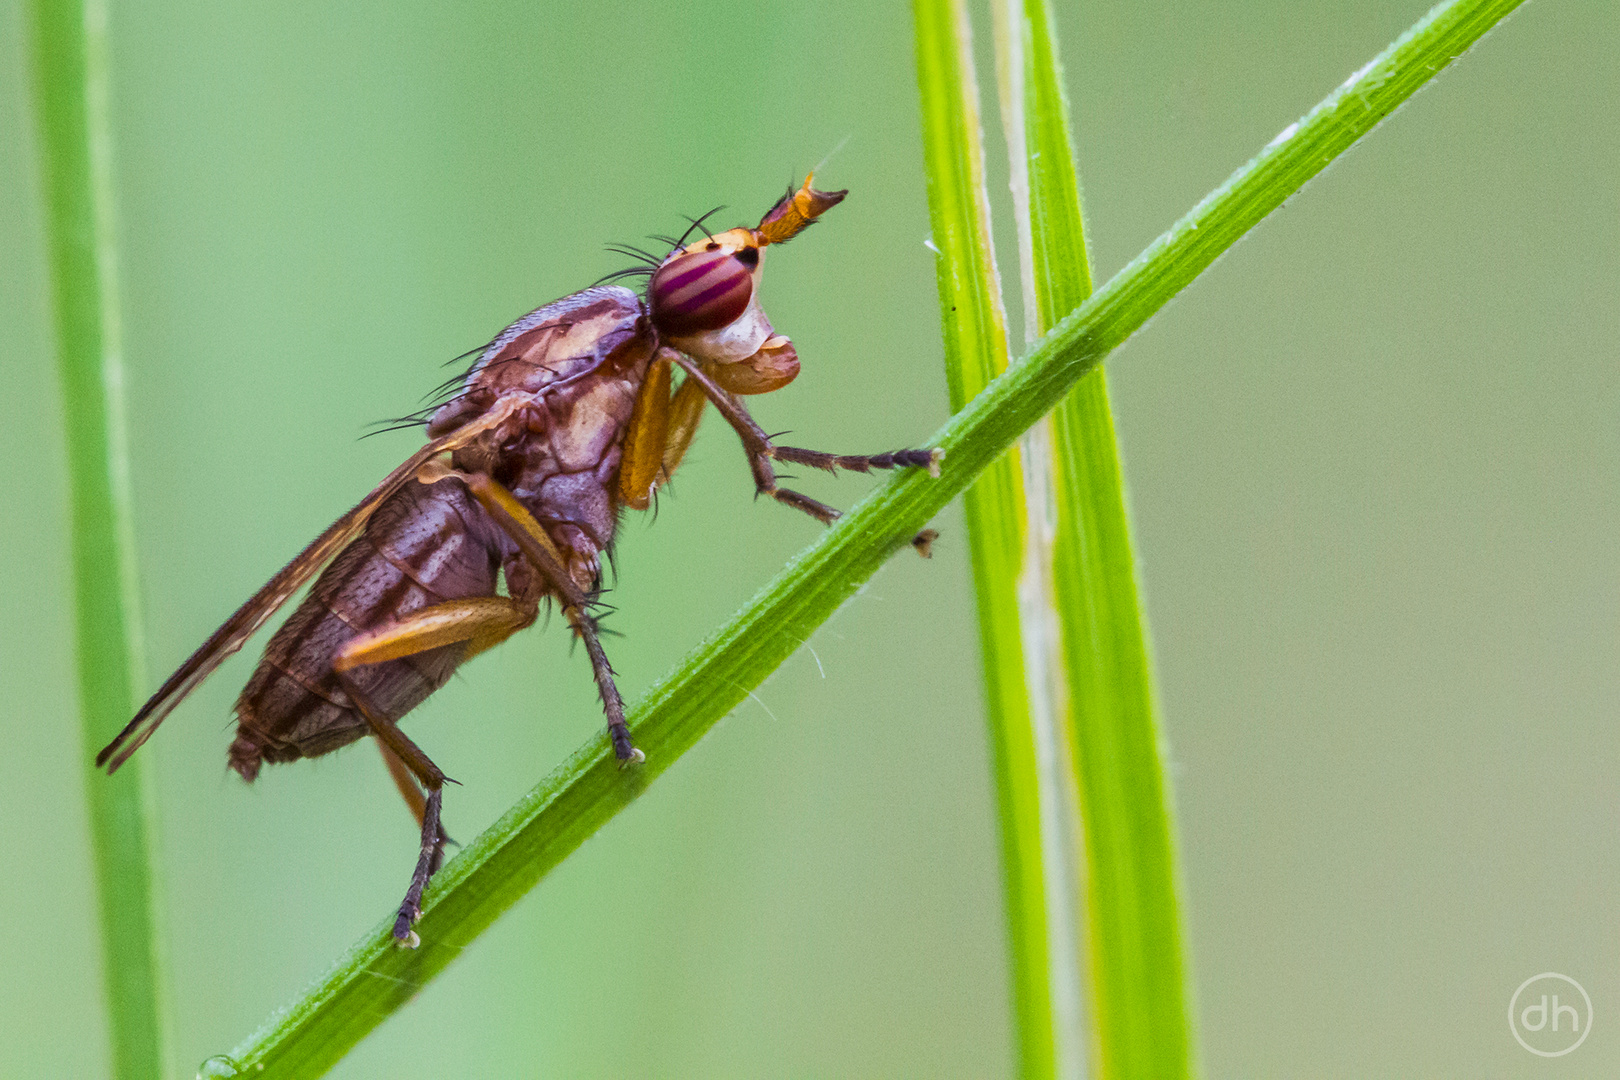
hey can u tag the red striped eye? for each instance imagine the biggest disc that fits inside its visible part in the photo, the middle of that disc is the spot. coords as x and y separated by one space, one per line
702 290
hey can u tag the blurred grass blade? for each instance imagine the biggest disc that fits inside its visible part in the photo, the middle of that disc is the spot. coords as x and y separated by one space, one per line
70 85
500 866
1038 884
1139 1019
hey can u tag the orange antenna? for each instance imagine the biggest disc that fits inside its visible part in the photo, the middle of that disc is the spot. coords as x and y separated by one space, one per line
796 212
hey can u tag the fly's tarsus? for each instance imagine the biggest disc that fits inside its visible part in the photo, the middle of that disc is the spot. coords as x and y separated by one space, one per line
893 459
410 911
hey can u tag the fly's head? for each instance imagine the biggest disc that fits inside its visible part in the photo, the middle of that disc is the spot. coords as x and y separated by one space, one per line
705 297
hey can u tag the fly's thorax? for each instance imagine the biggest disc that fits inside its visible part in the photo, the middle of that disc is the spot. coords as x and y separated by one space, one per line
553 346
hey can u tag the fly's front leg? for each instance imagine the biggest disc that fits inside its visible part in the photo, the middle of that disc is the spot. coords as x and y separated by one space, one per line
479 622
762 452
541 552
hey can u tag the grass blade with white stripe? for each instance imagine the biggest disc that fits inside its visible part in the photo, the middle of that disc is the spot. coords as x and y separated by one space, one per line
1140 1023
1018 715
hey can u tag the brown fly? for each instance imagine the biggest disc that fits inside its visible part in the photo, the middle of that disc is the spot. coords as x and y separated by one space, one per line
568 417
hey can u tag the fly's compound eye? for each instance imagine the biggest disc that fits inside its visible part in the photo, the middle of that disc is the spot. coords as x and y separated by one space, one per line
698 291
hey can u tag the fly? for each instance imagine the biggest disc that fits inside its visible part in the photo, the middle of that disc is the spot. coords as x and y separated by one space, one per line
567 418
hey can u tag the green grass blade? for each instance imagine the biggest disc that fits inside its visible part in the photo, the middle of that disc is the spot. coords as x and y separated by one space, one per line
1140 1020
374 978
70 82
973 326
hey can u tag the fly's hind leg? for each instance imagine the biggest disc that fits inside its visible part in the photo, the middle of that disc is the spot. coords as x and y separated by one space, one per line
762 451
419 769
415 798
480 622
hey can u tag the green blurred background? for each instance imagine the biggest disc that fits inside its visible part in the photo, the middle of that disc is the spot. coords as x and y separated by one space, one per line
1374 465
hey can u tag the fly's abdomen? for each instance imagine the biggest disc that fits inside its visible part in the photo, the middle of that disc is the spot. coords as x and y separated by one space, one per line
425 545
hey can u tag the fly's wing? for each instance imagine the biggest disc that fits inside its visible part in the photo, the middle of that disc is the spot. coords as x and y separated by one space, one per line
253 614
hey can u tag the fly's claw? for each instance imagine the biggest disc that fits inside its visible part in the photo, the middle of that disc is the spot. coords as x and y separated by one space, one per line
409 914
623 749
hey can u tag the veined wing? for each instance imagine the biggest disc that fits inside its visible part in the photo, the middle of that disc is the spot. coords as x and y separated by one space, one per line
250 616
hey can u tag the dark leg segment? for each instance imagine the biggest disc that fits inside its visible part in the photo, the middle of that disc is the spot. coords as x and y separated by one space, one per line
478 622
389 734
612 704
761 451
415 798
895 459
426 864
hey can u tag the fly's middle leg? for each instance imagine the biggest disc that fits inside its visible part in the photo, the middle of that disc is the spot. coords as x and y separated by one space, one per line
542 554
612 704
480 622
